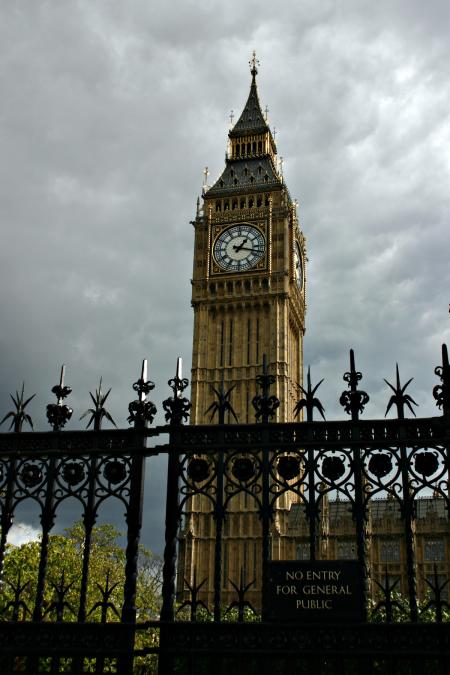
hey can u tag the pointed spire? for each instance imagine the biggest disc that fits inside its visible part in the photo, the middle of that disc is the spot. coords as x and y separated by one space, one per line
252 118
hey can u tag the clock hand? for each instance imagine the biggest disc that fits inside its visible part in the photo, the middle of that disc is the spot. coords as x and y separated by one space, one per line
245 248
238 248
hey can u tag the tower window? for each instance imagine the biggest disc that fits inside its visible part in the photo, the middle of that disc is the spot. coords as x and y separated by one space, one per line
390 551
234 203
259 146
249 340
260 170
243 203
254 147
231 173
267 202
303 551
434 550
235 181
249 148
251 201
247 285
252 179
259 201
226 206
218 206
238 149
221 183
246 171
212 288
230 286
266 178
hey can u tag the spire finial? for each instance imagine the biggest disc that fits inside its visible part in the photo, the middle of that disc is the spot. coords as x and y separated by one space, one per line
253 63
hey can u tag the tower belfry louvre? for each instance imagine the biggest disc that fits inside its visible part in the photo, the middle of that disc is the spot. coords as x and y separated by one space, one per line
248 296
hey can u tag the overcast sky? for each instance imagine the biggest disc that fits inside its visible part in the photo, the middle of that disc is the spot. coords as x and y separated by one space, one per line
109 113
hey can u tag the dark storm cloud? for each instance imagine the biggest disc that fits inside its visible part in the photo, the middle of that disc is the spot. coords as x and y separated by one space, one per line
110 111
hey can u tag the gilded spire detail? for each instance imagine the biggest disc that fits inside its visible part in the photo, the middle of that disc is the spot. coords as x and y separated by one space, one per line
254 63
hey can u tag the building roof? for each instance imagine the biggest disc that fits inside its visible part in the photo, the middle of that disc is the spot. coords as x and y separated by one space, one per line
255 174
245 173
252 119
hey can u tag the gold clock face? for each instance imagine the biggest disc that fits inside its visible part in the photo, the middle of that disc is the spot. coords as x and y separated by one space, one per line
239 248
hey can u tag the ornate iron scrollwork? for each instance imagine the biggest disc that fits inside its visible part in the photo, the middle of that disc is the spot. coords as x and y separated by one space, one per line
198 469
441 392
58 414
73 473
354 400
177 407
265 406
333 468
288 467
426 463
142 411
380 465
243 469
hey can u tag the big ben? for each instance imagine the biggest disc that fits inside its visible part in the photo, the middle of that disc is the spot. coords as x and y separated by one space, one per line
248 296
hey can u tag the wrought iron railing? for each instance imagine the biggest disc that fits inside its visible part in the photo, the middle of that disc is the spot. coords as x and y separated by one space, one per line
356 460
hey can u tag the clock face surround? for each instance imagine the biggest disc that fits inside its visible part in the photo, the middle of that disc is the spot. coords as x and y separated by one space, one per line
298 265
239 248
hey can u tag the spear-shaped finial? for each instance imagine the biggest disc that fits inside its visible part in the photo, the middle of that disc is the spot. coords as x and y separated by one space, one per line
241 603
19 416
98 412
222 403
399 398
309 401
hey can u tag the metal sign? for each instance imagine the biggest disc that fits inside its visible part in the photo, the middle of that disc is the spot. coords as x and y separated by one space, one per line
320 590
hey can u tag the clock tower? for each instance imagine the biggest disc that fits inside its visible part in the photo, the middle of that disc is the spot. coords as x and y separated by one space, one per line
248 296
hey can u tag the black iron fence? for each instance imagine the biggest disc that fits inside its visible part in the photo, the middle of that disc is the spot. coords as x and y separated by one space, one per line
355 460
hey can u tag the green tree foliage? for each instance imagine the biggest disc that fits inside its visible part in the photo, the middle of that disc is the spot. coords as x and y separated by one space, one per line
64 570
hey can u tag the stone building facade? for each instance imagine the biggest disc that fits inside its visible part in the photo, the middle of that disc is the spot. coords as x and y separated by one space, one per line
385 540
248 296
